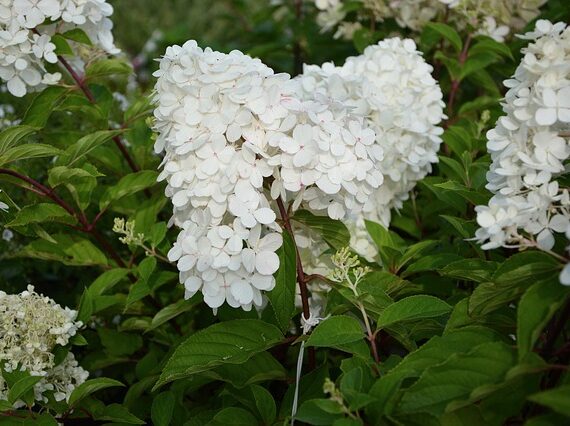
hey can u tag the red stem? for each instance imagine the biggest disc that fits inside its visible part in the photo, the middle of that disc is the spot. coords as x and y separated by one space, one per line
80 81
86 227
454 82
302 278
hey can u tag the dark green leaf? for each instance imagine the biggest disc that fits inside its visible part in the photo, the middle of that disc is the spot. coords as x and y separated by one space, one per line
231 342
335 331
162 409
282 297
89 387
413 308
334 232
128 185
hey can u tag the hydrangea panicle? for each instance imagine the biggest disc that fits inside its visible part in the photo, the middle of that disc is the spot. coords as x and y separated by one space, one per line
529 147
26 28
31 326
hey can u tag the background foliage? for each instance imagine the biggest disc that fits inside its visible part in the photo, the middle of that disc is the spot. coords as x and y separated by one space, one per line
464 337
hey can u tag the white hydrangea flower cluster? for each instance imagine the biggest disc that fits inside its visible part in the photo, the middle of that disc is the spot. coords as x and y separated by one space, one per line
390 85
26 28
529 148
228 126
31 325
493 18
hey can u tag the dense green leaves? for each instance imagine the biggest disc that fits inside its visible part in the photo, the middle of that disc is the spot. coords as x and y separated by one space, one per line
333 232
230 342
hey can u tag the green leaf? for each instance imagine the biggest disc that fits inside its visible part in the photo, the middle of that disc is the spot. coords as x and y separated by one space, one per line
334 232
107 280
169 312
557 399
260 367
27 152
477 270
85 145
162 409
362 38
62 174
474 197
128 185
41 213
336 330
5 406
390 245
487 44
119 344
319 412
68 249
477 62
107 67
116 413
511 280
13 135
21 387
413 308
456 378
43 105
229 342
62 47
233 416
265 404
537 306
78 35
446 32
282 297
89 387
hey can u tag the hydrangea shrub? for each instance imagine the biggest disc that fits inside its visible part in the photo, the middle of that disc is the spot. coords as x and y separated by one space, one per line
339 213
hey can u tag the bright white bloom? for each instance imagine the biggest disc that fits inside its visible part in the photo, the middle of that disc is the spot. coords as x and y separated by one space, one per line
31 325
391 87
228 127
26 28
529 148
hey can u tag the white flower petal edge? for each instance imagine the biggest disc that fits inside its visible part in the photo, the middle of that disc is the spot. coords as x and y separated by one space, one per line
529 147
26 28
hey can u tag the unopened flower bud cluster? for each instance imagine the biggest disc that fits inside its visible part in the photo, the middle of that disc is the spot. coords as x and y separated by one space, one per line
529 148
31 326
26 30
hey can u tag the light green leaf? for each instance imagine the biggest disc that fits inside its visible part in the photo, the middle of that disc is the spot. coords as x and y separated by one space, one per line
282 297
41 213
27 152
537 306
89 387
413 308
128 185
62 47
107 67
62 174
336 330
13 135
85 145
69 249
231 342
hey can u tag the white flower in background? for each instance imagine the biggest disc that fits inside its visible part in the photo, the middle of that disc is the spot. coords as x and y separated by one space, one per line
529 148
7 235
31 325
23 51
390 86
4 207
493 18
